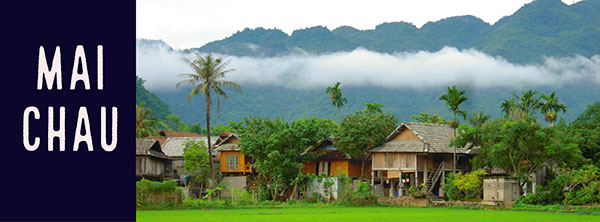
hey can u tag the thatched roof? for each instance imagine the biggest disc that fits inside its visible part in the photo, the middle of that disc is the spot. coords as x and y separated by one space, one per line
169 133
148 147
173 146
228 147
224 138
401 146
434 138
331 152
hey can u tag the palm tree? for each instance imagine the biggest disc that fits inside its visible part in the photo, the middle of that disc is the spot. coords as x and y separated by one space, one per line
144 121
206 79
550 106
478 119
454 97
336 97
528 102
508 106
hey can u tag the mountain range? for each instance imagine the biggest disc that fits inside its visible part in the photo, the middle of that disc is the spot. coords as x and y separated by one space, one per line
543 28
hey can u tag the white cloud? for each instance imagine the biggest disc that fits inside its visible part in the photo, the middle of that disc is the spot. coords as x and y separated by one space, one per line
361 67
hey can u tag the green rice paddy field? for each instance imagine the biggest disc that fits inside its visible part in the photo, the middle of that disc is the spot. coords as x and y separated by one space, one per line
360 214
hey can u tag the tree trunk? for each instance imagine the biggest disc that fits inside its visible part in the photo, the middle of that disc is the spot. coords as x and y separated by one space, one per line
210 160
362 168
454 153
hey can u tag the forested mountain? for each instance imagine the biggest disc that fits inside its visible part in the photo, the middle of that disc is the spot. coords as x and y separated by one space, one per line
159 108
293 104
541 28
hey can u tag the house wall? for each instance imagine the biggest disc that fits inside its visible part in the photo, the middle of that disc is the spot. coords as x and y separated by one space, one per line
338 167
310 167
394 160
350 168
421 161
223 161
406 134
148 166
354 168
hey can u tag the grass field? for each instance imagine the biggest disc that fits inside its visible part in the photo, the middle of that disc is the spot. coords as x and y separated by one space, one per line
361 214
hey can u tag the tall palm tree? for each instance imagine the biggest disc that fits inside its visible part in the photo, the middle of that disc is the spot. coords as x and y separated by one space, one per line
549 106
507 106
336 98
206 79
144 121
453 98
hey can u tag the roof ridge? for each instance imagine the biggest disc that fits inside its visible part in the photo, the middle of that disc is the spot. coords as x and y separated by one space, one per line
421 123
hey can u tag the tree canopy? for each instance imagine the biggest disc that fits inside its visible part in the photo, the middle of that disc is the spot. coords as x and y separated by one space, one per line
362 131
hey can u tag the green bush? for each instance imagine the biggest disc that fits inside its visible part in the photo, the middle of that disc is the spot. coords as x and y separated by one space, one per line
464 186
166 193
362 195
417 191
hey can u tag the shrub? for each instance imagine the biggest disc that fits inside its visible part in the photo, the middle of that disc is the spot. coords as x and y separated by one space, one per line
464 186
417 191
151 192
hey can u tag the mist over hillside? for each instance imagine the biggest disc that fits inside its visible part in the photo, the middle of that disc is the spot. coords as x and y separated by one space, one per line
546 45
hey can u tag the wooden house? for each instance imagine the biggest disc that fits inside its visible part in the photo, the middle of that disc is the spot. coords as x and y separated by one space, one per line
415 154
231 159
151 162
334 162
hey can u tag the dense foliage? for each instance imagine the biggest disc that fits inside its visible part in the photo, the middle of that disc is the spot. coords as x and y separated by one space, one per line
195 154
464 185
587 128
159 108
362 131
276 147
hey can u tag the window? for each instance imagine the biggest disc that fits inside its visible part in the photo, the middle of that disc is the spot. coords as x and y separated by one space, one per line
323 168
232 162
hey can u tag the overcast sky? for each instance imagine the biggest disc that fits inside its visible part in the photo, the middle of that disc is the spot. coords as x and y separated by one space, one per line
193 23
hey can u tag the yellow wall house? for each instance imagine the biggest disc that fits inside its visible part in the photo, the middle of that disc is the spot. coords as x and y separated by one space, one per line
333 162
416 154
232 160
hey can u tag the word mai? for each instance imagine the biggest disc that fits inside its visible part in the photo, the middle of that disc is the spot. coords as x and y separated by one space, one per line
53 75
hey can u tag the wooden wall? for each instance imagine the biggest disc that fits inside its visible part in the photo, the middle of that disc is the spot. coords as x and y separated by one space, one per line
145 165
406 135
223 161
310 167
394 160
350 168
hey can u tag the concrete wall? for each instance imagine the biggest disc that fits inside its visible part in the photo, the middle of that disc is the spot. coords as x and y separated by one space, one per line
318 187
238 182
501 190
